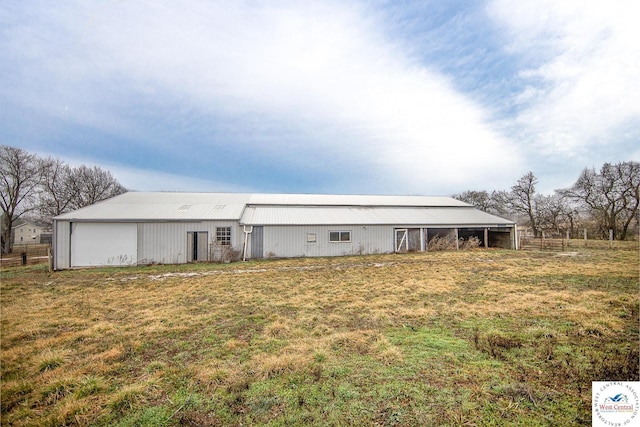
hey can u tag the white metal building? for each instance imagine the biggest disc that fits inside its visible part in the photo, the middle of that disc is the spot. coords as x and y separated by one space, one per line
172 228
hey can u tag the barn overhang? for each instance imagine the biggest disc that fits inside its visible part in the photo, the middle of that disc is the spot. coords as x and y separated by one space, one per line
372 215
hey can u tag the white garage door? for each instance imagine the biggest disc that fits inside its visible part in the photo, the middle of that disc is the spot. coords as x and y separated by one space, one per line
94 244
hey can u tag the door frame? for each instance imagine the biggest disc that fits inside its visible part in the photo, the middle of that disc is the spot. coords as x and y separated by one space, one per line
195 242
403 240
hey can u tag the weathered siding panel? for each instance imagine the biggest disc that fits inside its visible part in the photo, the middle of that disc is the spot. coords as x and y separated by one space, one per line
293 241
61 243
166 242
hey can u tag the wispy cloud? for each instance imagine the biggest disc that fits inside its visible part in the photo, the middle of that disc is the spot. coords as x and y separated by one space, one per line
580 71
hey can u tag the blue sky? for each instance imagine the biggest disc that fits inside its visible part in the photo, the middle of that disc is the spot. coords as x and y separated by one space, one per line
368 97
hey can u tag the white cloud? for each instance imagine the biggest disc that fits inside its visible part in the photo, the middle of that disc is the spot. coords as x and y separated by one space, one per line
582 79
323 69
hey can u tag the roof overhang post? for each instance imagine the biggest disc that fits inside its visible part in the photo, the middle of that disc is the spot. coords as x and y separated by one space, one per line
248 229
426 239
422 231
486 237
457 239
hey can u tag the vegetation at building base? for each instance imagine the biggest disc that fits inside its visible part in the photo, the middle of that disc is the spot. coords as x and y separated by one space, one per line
481 337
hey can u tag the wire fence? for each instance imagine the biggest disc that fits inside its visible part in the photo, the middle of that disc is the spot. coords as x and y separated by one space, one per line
26 255
541 243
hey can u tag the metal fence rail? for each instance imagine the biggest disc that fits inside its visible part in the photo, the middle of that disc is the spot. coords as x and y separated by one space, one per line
539 243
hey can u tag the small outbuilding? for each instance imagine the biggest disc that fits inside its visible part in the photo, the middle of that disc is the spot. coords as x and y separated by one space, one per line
173 228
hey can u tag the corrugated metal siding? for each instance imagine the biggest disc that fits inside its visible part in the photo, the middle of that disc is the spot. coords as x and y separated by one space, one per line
291 241
62 250
166 242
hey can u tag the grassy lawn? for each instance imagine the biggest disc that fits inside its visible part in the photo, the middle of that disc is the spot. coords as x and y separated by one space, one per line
484 337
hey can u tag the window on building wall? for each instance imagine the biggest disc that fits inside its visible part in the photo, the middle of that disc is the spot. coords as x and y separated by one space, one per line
311 237
223 235
340 236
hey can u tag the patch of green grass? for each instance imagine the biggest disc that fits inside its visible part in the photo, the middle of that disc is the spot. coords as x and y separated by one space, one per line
148 416
90 385
127 399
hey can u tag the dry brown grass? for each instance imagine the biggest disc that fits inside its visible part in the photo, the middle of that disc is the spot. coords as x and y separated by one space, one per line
107 346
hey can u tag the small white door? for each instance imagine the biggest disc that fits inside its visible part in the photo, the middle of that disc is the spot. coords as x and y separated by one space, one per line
402 241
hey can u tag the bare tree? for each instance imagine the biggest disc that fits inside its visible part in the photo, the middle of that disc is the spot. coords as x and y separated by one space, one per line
59 189
479 199
522 199
66 188
94 185
555 214
629 173
611 196
493 203
21 177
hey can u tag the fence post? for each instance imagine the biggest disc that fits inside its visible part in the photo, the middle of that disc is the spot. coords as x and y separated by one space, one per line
585 237
24 258
610 238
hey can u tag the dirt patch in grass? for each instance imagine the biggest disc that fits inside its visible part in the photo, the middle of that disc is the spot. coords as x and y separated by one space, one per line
480 337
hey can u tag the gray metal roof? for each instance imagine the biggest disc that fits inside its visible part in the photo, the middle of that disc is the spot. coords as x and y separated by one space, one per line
351 200
285 209
133 206
329 215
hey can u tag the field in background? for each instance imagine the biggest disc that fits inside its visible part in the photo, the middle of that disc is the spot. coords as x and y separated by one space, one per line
484 337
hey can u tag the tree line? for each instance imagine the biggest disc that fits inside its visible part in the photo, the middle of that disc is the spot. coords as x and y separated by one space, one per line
598 201
40 187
